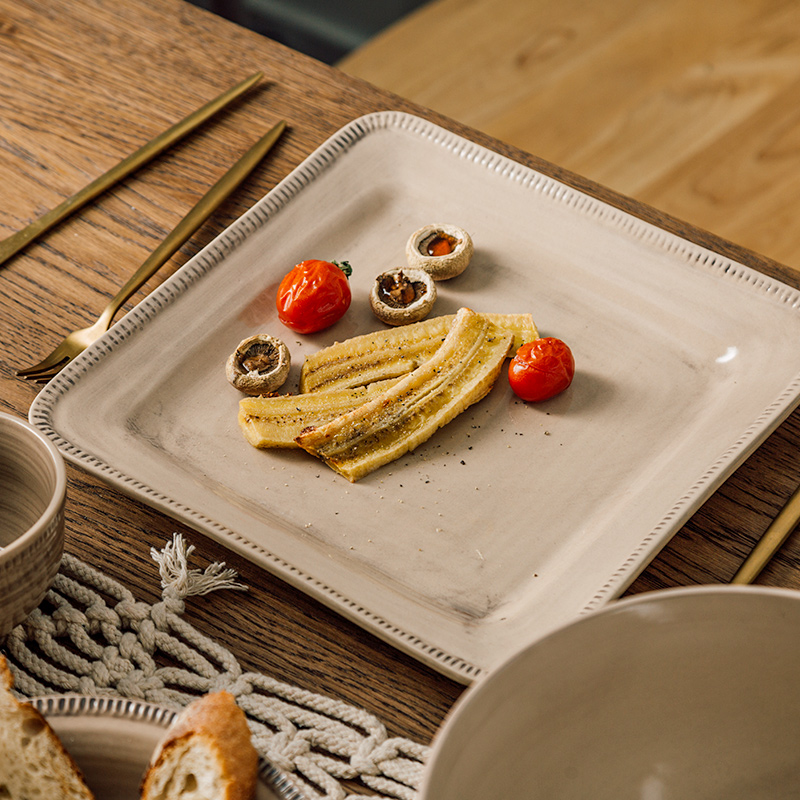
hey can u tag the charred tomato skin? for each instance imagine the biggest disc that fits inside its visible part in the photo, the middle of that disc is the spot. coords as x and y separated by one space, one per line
314 295
541 369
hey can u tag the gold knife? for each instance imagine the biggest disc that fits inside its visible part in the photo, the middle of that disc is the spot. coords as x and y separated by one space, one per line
17 241
772 540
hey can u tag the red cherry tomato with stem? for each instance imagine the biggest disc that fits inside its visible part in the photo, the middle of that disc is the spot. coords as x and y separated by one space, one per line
541 369
313 295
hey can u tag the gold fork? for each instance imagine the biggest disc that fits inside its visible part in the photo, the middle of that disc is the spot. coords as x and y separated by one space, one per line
77 341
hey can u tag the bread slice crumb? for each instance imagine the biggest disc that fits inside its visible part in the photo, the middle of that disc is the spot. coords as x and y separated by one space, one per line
34 763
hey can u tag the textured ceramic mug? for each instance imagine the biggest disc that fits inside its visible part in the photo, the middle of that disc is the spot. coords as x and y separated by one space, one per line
33 486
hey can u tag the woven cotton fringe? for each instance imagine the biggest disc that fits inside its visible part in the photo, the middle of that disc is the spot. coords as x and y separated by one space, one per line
99 640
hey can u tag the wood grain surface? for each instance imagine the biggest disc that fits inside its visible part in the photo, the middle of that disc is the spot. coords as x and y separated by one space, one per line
85 82
690 107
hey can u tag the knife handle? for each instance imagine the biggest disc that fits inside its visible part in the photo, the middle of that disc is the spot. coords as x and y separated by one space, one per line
17 241
772 540
199 213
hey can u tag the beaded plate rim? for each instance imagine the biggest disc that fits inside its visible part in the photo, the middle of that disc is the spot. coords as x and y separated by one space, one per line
423 644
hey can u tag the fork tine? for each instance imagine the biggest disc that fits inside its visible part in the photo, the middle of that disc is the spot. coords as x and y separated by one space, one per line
45 377
56 357
48 374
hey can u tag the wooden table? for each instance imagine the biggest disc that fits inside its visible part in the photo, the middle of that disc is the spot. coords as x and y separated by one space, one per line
689 108
85 82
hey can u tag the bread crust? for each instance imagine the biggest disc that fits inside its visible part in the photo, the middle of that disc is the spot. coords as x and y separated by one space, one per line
218 721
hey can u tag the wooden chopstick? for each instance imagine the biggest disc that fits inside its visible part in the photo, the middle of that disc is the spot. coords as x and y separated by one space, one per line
772 540
17 241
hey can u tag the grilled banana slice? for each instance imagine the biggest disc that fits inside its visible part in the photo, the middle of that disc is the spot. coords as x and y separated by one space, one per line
394 352
277 421
461 372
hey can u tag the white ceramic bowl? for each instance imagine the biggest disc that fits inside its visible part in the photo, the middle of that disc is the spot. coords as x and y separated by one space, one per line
685 693
33 485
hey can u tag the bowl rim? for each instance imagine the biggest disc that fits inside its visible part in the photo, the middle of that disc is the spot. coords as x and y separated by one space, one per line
479 687
59 493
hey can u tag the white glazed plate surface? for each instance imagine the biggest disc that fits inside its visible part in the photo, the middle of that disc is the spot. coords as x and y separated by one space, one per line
112 740
514 518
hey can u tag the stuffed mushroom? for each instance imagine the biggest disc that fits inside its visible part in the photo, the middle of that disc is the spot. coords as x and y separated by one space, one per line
441 250
400 296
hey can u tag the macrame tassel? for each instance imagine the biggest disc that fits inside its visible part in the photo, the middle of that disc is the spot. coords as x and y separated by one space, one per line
173 566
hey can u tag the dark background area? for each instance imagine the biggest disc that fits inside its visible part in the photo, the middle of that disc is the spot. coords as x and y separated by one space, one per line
324 29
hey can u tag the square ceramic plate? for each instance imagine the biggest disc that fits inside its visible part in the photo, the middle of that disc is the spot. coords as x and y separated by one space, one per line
512 519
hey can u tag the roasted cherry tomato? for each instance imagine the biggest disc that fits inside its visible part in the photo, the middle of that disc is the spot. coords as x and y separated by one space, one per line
313 295
541 369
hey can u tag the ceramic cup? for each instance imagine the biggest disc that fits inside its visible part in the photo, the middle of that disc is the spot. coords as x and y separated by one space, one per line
33 486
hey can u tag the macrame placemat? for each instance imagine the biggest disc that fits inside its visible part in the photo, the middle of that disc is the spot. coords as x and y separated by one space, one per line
91 636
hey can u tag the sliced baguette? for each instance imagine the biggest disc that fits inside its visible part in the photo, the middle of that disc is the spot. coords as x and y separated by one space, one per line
206 754
33 762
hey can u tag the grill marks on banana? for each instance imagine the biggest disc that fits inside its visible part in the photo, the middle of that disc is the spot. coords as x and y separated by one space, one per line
460 373
277 421
369 400
394 352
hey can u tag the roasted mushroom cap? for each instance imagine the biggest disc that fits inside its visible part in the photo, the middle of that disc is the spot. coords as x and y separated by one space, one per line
259 365
442 250
400 296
